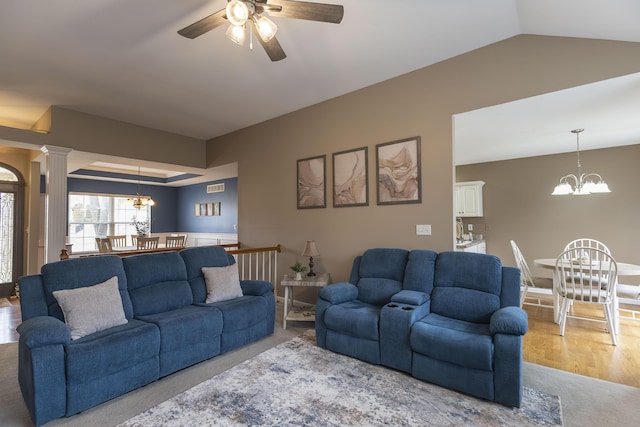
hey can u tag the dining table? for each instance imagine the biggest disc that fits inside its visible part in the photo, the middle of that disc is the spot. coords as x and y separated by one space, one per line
624 269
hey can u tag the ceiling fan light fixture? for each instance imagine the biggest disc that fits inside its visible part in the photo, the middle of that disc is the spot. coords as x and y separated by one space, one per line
266 27
237 34
237 12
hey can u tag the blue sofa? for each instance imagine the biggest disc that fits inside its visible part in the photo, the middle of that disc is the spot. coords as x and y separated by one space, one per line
451 318
169 326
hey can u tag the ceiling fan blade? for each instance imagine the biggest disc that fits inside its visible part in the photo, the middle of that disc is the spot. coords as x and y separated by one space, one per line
272 47
305 10
204 25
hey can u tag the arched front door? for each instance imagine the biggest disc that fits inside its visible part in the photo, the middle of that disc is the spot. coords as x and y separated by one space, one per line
11 214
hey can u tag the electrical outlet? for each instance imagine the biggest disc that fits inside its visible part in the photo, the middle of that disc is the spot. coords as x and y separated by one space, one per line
423 230
469 227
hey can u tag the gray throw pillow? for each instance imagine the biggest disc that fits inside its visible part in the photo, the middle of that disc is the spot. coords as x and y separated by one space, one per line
223 283
92 308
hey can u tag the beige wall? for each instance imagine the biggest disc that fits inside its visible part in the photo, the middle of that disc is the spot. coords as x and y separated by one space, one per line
518 205
419 103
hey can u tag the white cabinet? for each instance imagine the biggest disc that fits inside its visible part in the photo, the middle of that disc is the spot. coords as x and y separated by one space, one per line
477 246
469 198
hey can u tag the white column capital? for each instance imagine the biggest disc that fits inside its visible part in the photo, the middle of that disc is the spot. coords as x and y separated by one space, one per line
54 150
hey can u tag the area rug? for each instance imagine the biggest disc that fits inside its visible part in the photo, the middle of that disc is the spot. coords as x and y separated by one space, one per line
300 384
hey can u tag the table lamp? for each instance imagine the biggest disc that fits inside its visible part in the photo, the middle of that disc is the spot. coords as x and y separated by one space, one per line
310 250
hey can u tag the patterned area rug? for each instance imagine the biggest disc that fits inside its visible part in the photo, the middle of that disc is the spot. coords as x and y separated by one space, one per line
300 384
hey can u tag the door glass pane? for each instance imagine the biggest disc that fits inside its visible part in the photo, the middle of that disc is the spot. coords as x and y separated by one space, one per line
7 175
7 207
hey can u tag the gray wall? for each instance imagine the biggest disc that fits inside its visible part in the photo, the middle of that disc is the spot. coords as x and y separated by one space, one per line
419 103
518 205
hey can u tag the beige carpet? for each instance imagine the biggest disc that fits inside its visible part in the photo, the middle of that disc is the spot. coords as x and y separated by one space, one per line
585 401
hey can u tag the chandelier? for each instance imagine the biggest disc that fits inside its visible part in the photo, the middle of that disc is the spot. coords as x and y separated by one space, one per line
583 183
240 12
139 201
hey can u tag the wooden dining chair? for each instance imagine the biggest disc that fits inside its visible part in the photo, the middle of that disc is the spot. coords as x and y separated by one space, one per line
103 244
134 240
533 290
148 242
175 241
587 280
118 241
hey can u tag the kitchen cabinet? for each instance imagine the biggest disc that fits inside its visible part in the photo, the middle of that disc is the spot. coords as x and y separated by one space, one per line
477 246
469 199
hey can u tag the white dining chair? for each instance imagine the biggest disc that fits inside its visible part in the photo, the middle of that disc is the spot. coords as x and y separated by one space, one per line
578 246
587 280
536 291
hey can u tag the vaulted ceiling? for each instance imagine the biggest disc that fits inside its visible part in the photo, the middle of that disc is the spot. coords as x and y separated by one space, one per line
125 60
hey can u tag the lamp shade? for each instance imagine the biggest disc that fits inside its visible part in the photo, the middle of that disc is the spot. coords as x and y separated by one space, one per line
310 249
266 28
237 12
237 34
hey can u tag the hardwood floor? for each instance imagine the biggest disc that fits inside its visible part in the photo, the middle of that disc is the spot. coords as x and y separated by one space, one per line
585 349
10 318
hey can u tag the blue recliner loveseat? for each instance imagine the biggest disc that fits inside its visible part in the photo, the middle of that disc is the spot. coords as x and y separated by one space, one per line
451 318
166 325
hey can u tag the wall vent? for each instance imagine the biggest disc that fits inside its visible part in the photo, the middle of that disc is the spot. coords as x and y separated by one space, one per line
215 188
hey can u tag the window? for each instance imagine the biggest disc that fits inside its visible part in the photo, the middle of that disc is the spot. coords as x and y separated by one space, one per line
101 215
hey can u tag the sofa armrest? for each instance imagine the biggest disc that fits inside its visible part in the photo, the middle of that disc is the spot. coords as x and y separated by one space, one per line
42 331
509 320
411 297
338 293
256 287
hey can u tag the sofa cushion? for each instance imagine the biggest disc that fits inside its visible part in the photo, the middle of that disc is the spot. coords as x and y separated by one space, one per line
454 341
241 313
467 286
354 318
188 335
380 274
157 282
109 363
223 283
81 272
203 256
92 308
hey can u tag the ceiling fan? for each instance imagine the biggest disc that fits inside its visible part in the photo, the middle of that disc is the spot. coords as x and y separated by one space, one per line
249 13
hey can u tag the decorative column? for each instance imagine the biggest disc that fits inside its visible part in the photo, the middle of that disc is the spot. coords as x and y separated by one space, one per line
55 224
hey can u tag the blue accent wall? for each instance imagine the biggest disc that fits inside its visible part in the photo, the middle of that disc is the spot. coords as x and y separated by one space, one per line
174 208
189 195
164 216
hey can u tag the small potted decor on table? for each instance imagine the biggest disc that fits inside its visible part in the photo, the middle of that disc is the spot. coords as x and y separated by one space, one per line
298 269
143 228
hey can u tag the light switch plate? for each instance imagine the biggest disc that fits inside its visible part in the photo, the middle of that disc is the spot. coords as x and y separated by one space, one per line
423 229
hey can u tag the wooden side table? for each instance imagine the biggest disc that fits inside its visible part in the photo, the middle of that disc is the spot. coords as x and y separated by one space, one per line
289 283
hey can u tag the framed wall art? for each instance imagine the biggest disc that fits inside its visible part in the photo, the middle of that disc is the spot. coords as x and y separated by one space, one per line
350 178
398 176
311 182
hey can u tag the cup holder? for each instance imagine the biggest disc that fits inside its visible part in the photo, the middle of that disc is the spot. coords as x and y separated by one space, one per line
407 308
392 305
